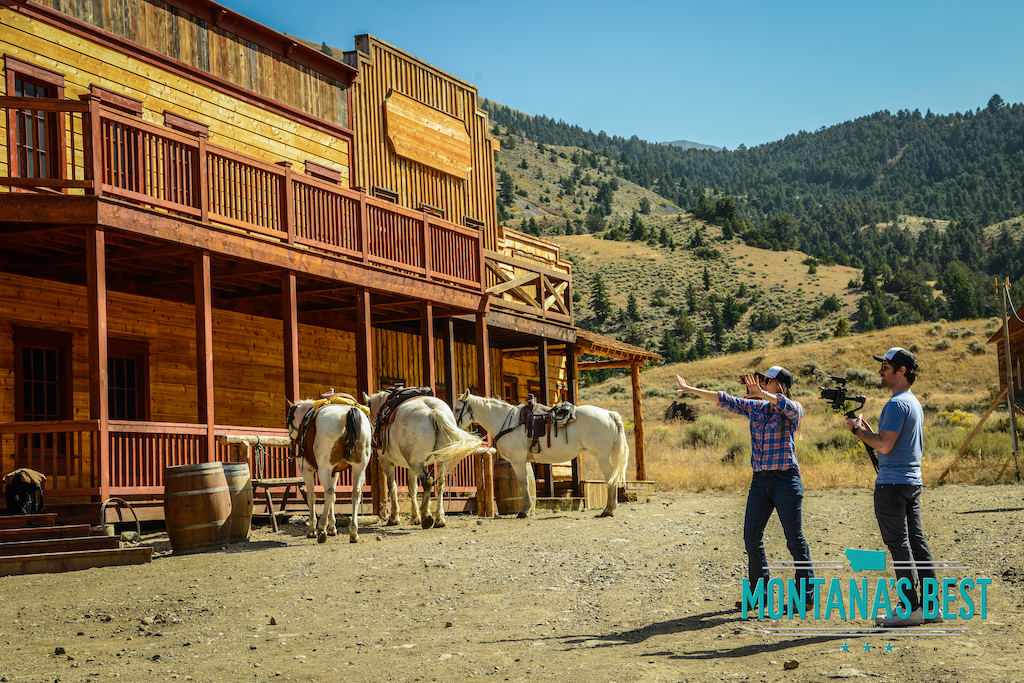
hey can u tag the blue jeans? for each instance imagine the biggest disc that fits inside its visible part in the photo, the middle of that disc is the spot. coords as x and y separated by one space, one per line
780 490
898 511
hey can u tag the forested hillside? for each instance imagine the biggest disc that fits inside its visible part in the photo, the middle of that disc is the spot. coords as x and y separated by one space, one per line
915 202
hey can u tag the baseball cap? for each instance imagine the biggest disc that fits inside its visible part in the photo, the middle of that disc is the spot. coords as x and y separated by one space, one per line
898 357
779 373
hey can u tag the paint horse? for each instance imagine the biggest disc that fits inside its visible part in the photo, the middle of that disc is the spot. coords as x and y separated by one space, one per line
331 433
421 432
595 430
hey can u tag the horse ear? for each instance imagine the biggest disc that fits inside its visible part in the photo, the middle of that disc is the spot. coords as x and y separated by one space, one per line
366 399
465 395
290 404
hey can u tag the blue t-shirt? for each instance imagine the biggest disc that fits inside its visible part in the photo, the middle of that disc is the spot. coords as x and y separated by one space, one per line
902 465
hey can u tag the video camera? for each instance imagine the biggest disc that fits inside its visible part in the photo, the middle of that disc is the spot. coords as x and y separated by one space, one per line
838 400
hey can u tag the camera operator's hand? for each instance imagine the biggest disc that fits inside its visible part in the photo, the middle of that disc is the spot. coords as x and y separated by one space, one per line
858 426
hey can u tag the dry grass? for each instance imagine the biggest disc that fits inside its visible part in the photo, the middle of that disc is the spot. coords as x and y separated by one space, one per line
956 387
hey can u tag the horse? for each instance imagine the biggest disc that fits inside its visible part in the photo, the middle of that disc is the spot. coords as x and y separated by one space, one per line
332 434
422 433
596 430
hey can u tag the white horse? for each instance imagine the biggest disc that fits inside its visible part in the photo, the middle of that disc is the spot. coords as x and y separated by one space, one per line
422 433
332 436
596 430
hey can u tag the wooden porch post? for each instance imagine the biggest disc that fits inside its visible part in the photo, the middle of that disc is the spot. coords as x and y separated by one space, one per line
544 398
99 409
488 508
364 384
638 422
427 343
448 334
204 351
572 389
290 317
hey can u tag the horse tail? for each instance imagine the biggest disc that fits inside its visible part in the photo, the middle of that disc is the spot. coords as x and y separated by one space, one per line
353 428
460 443
620 451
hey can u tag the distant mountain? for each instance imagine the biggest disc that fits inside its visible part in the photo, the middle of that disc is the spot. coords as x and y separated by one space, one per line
687 144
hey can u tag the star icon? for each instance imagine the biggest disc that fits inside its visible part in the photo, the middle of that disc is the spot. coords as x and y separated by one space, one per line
846 648
867 647
888 647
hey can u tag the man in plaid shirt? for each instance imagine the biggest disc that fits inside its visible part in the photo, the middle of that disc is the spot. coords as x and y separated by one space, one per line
776 484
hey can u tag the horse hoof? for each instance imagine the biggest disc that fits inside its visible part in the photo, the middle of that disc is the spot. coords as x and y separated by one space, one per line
606 513
522 515
310 534
392 522
428 522
332 532
353 539
440 524
321 537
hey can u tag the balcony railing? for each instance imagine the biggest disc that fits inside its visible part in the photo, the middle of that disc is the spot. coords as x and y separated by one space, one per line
524 286
140 452
117 155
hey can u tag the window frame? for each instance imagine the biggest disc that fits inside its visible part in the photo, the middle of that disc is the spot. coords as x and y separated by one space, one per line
139 352
17 69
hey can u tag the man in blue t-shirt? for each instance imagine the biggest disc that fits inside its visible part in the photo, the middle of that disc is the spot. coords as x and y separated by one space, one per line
899 444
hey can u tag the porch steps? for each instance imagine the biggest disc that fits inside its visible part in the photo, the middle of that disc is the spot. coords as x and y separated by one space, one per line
34 544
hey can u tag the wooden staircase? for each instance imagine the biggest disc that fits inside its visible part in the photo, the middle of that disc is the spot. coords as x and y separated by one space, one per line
34 544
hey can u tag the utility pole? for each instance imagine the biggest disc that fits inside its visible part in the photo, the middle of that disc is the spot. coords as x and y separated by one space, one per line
1010 402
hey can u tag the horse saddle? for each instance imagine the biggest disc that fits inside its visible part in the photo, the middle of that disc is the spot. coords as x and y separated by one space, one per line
386 415
540 419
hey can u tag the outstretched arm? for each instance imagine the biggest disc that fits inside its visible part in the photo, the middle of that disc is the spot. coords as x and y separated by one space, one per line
685 388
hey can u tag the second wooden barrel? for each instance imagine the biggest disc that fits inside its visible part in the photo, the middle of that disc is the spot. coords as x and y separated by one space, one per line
197 507
508 495
240 488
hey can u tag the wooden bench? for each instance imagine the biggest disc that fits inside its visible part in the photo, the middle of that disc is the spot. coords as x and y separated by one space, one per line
267 484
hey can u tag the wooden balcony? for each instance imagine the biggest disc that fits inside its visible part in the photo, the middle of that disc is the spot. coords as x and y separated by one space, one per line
103 152
526 287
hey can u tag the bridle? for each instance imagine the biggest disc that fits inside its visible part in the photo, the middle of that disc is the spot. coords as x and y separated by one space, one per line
290 417
466 409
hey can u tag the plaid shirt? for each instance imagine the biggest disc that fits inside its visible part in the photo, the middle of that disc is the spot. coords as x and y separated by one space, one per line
772 428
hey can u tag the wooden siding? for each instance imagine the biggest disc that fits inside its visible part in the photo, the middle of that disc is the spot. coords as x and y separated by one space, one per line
384 69
526 370
233 122
183 36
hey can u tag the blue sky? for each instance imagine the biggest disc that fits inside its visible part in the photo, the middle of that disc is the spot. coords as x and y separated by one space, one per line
719 73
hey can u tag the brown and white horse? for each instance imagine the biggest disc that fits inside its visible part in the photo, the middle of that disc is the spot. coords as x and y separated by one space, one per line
331 437
423 433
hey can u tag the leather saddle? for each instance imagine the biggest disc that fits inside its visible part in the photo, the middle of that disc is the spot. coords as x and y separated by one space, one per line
540 419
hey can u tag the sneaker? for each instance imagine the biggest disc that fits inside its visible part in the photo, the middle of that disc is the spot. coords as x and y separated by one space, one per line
915 618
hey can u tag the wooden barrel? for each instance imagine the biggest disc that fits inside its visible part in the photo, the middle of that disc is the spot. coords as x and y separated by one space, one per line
508 495
240 488
197 507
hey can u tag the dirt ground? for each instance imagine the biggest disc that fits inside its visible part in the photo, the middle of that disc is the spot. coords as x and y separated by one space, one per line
646 596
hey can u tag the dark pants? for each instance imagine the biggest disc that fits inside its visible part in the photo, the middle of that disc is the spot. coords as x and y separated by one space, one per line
780 490
898 511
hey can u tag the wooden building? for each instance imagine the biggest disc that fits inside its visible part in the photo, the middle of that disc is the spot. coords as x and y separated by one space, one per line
201 217
1016 355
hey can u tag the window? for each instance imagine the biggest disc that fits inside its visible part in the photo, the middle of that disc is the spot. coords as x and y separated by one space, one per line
36 142
510 389
128 380
42 378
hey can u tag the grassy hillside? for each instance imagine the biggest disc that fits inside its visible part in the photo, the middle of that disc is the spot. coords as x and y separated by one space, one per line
957 384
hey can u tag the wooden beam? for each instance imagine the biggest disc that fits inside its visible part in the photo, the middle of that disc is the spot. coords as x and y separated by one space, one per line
598 364
638 424
513 283
99 407
537 328
204 351
572 389
290 317
545 399
483 379
429 378
448 344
